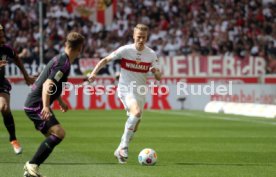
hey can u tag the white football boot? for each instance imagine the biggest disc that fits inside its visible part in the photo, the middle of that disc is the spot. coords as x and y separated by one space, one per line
31 170
121 154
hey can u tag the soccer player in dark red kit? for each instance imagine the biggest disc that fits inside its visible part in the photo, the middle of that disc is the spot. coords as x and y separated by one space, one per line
7 54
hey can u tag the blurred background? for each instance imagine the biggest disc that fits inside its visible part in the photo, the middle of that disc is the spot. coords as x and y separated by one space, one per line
217 27
197 41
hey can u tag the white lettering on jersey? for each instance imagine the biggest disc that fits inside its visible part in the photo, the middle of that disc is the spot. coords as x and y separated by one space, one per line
137 66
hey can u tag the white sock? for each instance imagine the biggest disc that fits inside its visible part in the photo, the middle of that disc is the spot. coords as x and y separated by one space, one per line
129 131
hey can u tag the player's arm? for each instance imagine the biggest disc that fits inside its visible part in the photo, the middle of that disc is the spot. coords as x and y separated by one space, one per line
157 74
155 69
29 80
62 104
47 89
98 67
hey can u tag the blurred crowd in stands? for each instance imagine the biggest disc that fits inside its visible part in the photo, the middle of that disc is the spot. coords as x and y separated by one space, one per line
178 27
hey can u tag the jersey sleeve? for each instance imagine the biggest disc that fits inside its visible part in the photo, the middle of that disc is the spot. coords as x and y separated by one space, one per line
155 62
58 69
117 54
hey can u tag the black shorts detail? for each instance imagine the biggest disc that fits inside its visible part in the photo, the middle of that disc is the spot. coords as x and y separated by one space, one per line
41 125
5 87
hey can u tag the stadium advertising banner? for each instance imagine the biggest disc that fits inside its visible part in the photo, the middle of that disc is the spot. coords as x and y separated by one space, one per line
212 66
178 66
270 79
168 97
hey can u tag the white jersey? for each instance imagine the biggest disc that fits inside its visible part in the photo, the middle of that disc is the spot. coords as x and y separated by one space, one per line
134 64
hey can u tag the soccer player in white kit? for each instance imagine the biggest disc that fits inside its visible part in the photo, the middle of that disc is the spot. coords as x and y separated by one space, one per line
136 61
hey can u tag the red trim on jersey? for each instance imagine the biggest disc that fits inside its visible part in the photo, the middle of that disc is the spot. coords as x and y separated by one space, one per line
132 65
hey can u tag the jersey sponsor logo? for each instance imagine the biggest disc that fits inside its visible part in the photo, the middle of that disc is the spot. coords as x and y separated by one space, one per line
58 76
133 65
137 66
138 60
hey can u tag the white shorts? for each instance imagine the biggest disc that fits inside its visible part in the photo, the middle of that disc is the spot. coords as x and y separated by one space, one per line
129 98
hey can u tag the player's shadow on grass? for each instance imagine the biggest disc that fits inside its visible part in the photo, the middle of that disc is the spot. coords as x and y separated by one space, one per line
222 164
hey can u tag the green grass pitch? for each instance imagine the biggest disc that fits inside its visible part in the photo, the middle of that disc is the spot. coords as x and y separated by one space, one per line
188 144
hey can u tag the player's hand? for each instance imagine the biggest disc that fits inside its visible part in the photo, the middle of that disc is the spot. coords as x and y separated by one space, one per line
3 63
156 73
92 77
63 107
30 80
46 113
153 70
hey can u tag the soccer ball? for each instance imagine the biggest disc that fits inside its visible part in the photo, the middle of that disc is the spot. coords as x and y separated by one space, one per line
147 157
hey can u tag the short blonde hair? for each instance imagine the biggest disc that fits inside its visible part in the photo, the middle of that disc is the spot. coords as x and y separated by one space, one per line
1 27
74 40
141 27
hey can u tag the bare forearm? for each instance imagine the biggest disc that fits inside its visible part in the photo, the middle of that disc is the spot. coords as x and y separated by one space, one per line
99 66
20 65
47 87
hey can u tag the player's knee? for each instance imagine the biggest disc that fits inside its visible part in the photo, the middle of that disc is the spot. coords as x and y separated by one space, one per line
60 133
4 108
137 113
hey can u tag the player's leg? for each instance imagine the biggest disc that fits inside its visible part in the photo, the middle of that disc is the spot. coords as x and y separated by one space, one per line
132 122
54 134
53 137
134 106
9 121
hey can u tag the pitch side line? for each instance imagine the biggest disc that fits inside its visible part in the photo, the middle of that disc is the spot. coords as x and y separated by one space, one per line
214 117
